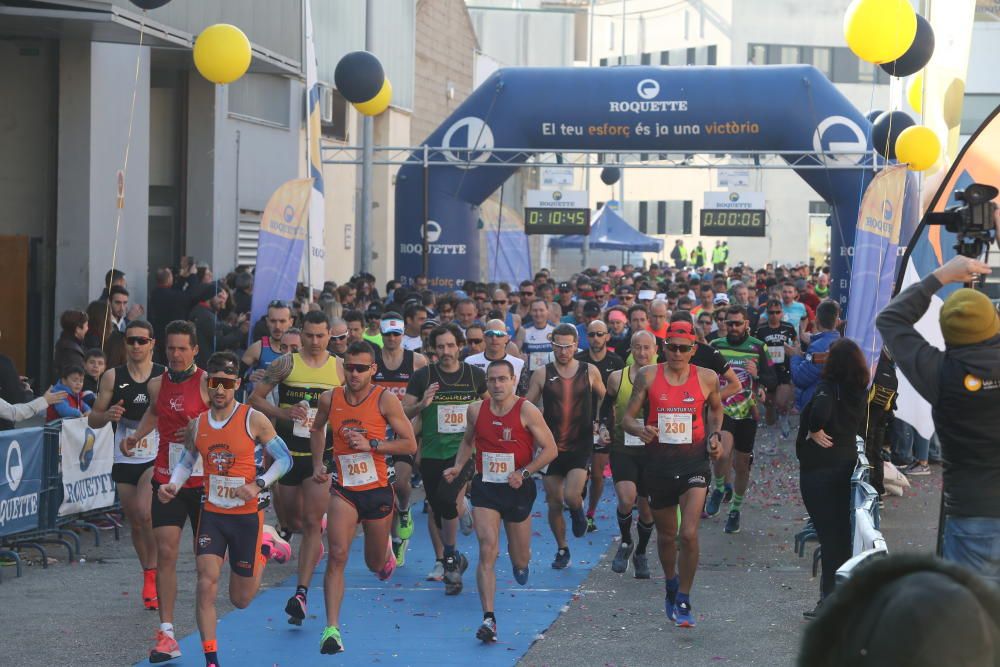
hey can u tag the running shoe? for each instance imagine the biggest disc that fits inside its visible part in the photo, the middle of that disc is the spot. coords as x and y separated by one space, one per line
812 613
149 599
437 572
591 525
620 562
454 567
296 609
916 469
640 566
166 648
390 564
416 481
487 632
521 575
579 520
714 502
404 525
684 615
733 522
784 423
670 600
331 643
561 561
399 548
280 551
465 521
728 498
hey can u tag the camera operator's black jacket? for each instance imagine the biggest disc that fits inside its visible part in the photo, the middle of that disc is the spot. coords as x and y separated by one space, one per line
962 384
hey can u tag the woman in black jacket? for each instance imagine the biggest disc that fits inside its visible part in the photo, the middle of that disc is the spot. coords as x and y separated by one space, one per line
69 347
827 453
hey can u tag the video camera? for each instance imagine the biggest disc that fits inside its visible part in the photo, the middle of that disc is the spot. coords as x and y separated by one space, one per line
972 222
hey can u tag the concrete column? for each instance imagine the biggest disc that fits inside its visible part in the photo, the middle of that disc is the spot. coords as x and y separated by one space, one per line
95 96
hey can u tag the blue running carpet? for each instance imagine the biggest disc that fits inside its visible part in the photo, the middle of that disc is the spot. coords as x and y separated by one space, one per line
408 620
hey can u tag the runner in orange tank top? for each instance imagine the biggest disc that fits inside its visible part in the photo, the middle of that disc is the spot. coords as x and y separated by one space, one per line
358 414
675 397
226 439
506 431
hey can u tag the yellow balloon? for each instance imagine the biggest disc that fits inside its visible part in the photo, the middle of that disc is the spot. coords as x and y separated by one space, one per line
880 31
222 53
918 146
379 103
953 97
915 92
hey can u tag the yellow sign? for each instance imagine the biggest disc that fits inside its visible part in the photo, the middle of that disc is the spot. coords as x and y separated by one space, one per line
287 211
882 206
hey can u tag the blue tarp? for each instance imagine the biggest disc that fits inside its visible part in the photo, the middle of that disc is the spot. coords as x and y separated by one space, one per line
608 231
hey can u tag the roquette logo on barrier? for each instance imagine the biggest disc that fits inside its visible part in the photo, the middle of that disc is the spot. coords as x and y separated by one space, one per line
14 467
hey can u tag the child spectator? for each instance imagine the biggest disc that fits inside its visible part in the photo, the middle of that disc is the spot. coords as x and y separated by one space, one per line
94 363
70 381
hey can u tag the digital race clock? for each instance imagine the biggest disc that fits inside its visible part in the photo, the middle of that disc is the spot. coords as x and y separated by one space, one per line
727 222
556 220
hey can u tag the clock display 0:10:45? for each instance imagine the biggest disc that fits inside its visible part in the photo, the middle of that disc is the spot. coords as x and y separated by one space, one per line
546 216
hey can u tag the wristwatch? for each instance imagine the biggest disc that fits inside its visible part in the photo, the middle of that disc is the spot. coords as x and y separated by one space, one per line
373 443
525 474
261 483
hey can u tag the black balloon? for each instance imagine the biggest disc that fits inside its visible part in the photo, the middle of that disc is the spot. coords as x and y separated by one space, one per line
610 175
886 129
872 115
149 4
918 55
359 76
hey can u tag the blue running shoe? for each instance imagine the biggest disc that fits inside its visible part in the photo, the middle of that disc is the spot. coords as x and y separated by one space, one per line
714 503
579 520
521 575
733 522
561 561
684 615
671 600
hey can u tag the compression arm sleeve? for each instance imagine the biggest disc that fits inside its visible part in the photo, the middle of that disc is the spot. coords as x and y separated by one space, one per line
182 471
278 450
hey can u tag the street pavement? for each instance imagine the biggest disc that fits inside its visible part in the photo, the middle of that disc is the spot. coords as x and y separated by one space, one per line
749 595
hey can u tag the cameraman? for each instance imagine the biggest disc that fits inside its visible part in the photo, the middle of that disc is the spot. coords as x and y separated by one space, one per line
962 384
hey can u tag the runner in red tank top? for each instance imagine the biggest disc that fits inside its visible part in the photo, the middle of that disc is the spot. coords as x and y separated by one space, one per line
506 432
175 398
226 439
359 414
674 396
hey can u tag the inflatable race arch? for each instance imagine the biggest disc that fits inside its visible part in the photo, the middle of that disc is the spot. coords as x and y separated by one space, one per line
793 109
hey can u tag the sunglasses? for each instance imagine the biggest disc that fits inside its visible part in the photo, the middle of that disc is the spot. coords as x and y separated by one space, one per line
278 303
527 294
499 302
493 333
596 334
473 341
563 346
357 368
709 322
138 340
683 349
338 337
775 312
626 297
225 383
387 333
735 323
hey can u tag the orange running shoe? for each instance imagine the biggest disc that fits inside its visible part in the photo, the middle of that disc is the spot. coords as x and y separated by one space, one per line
166 648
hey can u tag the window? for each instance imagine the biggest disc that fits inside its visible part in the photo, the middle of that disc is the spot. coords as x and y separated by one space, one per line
976 108
661 217
664 57
819 208
604 62
789 55
692 56
686 213
712 55
757 54
822 60
261 97
643 224
647 59
866 71
333 106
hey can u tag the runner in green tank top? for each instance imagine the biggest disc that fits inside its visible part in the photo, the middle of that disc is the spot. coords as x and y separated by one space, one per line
440 393
628 453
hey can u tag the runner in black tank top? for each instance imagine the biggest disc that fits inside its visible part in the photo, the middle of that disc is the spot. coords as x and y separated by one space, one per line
121 401
568 389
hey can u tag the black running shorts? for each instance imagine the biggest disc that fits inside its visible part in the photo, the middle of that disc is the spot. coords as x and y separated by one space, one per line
744 433
371 505
129 473
240 534
185 505
443 495
566 461
302 469
513 505
627 467
665 487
